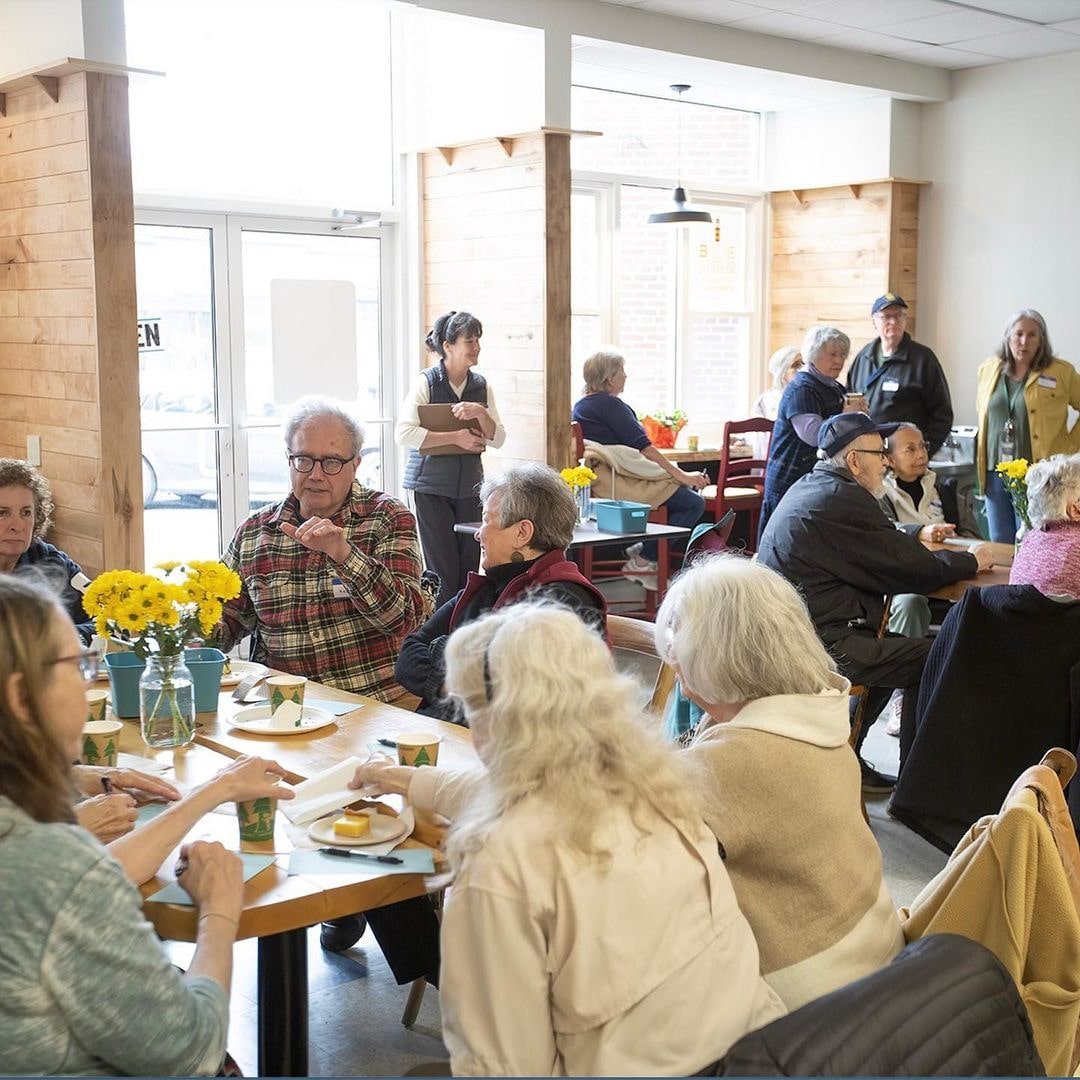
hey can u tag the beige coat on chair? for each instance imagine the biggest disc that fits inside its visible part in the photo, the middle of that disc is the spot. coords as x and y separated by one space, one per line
1007 886
623 473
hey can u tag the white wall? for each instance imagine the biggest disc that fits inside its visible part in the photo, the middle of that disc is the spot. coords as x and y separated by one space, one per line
36 32
1000 222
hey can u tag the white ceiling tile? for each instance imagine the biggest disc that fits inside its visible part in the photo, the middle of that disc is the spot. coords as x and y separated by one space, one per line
710 11
1023 44
1040 11
868 41
1070 26
783 5
781 24
961 25
873 14
941 56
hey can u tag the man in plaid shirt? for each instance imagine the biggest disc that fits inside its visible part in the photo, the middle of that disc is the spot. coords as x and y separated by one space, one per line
331 575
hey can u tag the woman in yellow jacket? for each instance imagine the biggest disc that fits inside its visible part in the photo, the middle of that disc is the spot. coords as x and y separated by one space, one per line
1022 401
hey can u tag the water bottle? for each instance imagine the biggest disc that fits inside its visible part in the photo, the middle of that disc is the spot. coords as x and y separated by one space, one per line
1007 442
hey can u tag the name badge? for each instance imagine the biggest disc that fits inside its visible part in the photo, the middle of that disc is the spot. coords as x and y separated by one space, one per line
1048 381
340 592
80 582
890 386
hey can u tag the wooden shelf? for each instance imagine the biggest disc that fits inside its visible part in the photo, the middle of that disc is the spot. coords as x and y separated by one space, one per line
48 76
447 150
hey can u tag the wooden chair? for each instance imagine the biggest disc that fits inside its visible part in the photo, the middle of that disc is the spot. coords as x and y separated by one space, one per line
636 636
863 694
740 482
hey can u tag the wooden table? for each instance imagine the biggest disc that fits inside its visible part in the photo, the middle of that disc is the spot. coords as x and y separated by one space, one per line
708 454
278 908
587 537
997 575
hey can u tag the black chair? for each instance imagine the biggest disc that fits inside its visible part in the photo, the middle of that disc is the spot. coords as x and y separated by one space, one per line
945 1006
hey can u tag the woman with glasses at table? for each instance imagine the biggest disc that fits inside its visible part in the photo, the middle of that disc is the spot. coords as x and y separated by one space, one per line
444 469
591 929
528 522
1023 398
88 988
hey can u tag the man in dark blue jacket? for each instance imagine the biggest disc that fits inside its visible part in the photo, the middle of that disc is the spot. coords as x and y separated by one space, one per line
901 379
830 538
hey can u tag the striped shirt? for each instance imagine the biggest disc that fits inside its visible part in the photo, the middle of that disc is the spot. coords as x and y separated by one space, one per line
341 624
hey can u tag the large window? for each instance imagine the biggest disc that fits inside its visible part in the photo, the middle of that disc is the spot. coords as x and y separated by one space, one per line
682 303
286 102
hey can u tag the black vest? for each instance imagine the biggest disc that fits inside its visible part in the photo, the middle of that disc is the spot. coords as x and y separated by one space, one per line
454 476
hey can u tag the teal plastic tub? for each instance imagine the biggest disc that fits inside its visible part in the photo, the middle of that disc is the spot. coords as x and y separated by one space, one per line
620 516
125 669
206 666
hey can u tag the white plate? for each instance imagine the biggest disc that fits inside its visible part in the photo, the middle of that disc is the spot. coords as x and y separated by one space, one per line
256 719
383 828
241 669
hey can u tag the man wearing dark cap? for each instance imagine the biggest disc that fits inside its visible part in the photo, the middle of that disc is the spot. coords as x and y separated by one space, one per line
830 538
901 379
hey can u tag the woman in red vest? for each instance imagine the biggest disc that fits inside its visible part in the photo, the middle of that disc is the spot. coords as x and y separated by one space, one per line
528 521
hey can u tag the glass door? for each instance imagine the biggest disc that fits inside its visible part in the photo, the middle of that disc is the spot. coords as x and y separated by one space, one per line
184 418
238 318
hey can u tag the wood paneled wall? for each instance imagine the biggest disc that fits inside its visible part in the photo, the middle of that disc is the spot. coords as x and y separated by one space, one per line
834 251
68 348
496 230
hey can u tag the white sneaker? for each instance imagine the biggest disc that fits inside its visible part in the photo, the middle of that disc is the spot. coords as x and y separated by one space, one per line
893 712
643 570
634 550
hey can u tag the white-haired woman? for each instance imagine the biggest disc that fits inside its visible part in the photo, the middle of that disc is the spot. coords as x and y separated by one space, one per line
811 397
1022 400
784 365
781 784
591 929
1049 557
609 422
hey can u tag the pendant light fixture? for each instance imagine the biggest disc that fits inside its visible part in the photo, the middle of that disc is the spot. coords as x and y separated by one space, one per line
680 214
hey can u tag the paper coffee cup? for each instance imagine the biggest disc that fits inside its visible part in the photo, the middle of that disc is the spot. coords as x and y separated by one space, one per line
101 742
96 701
420 748
284 688
692 443
256 818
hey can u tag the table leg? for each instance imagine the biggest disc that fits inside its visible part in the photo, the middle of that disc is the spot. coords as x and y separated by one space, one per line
283 1004
663 568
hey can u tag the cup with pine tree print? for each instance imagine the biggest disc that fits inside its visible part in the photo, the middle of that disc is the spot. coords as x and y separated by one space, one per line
282 688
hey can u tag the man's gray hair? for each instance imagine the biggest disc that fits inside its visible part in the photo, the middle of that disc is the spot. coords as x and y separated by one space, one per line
310 410
738 631
600 368
1052 484
537 493
817 337
840 457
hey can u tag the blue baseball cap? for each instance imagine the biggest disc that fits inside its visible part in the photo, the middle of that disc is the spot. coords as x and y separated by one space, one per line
890 299
836 432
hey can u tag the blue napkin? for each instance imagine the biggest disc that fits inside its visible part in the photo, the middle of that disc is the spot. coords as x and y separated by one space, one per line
414 861
338 708
174 894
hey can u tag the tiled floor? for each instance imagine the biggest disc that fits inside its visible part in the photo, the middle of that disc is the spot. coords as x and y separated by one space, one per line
355 1005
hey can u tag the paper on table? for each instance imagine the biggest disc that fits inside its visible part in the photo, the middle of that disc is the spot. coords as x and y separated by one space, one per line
146 765
414 861
174 894
323 793
338 708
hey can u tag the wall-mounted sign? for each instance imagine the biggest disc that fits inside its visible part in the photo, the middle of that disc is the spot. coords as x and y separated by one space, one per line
150 335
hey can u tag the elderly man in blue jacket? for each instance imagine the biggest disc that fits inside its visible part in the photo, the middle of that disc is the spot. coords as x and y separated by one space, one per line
830 538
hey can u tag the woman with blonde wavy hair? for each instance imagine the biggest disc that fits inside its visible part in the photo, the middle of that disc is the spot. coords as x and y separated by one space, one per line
592 928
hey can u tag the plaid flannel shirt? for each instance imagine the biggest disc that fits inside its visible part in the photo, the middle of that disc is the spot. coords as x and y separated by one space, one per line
341 624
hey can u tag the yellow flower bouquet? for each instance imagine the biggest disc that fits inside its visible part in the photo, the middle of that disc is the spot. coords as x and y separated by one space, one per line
1014 476
578 477
158 614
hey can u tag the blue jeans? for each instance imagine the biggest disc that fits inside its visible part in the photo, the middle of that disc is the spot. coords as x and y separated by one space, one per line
684 508
1001 519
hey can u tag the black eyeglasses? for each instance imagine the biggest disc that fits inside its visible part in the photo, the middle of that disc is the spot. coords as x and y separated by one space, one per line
331 466
88 662
880 453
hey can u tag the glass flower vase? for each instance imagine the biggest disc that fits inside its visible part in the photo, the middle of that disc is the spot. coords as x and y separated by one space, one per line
167 701
583 495
1020 534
